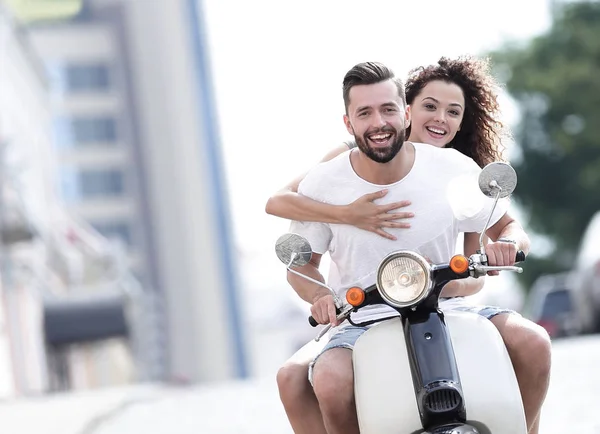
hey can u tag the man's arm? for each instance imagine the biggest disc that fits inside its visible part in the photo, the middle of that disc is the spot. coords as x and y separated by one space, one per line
504 253
306 289
508 228
323 305
470 285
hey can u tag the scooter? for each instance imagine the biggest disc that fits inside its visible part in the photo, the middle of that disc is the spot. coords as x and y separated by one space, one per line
462 377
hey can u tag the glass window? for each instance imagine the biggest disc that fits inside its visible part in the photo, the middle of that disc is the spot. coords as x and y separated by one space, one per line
69 185
84 184
91 130
85 130
87 78
115 230
556 302
98 183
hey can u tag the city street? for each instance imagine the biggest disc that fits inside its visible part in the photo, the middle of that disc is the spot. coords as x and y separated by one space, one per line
142 201
253 407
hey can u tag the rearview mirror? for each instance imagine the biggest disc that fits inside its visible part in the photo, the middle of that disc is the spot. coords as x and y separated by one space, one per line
293 249
498 179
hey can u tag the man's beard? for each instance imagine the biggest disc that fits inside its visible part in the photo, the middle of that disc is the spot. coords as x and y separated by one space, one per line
381 155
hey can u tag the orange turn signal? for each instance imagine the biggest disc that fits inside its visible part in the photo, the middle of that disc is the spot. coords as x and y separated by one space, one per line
355 296
459 264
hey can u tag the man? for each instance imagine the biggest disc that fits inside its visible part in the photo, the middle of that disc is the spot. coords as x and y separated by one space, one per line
377 116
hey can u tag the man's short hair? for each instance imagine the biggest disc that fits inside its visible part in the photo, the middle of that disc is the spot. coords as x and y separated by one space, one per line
370 73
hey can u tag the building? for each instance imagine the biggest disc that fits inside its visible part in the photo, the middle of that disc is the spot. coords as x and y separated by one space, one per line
44 251
138 148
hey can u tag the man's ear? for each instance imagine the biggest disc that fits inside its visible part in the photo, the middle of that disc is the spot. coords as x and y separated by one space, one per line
348 125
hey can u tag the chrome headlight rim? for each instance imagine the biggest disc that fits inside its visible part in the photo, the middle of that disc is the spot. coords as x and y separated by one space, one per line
421 261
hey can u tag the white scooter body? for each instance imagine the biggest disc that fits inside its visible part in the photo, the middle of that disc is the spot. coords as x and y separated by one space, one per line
384 392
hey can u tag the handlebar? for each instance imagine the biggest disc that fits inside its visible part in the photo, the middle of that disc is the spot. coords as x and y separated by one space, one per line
520 257
341 314
479 270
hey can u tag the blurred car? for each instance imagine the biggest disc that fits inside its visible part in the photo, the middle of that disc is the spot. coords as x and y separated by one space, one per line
586 278
550 305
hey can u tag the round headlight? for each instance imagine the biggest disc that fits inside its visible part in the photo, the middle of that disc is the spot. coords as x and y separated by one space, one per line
403 279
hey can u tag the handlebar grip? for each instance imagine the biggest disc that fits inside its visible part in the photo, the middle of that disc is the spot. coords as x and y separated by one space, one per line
314 322
520 256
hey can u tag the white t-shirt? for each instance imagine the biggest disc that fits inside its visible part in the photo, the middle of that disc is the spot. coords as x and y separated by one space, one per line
445 198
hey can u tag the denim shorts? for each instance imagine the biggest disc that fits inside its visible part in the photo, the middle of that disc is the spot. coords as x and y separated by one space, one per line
346 337
460 304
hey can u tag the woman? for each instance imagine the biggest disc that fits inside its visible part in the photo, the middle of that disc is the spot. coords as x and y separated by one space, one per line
453 104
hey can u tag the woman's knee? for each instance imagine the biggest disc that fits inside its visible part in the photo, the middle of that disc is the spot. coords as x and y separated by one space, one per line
526 341
537 346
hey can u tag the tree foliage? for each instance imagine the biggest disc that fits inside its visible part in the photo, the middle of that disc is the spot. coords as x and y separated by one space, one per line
555 78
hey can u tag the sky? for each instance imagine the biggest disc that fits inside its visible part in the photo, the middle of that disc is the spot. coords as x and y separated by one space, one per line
277 71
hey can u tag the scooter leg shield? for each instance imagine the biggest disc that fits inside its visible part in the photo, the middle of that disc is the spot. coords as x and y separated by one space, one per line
488 380
384 393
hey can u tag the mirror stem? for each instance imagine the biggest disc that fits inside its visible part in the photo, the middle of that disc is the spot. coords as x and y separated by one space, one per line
292 257
493 184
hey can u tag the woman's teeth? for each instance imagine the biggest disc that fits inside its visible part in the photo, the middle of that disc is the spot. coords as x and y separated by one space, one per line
436 131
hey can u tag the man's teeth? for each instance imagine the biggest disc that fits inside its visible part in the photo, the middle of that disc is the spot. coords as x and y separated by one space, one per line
436 131
381 137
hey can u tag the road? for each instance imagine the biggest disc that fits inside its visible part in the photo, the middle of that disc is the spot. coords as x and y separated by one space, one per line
253 406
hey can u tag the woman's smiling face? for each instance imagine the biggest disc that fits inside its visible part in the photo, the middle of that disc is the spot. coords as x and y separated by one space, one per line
437 113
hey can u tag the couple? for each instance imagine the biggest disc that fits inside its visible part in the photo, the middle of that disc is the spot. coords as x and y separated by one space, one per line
452 106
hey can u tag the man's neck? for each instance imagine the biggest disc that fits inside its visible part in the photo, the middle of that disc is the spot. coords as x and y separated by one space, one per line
384 173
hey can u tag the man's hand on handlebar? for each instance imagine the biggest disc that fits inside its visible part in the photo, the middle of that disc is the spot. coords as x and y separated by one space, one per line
500 254
323 309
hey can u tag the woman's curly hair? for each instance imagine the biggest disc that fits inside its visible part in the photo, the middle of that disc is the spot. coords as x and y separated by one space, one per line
481 132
